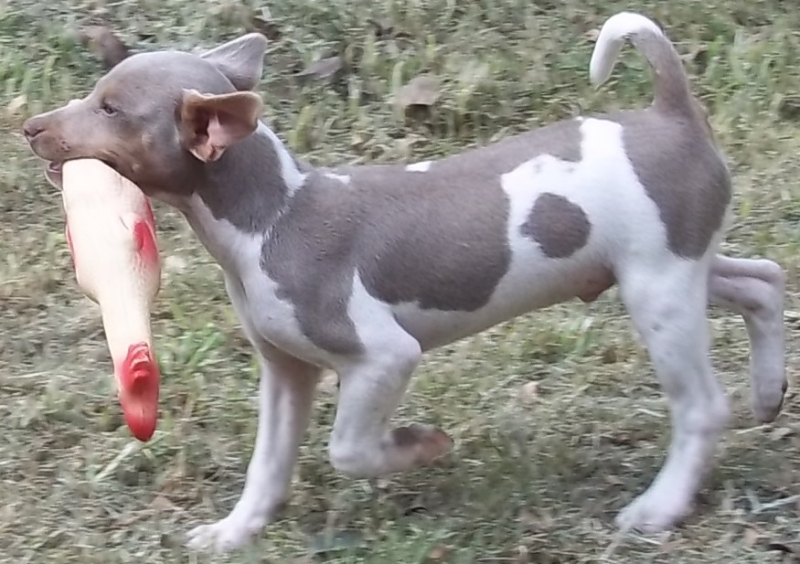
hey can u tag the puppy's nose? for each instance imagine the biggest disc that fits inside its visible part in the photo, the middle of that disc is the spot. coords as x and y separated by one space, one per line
31 129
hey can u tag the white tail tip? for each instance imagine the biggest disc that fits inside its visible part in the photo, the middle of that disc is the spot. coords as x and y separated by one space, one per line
613 34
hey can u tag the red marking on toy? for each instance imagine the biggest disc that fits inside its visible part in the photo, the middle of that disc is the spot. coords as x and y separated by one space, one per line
139 380
145 242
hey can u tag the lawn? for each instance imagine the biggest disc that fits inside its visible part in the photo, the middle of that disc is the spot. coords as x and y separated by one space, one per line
557 416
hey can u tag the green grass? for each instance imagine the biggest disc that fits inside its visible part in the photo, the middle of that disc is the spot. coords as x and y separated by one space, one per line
533 478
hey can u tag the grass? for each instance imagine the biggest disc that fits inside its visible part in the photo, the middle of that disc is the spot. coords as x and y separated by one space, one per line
535 477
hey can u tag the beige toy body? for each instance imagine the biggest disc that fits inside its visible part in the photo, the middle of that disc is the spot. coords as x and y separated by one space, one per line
111 235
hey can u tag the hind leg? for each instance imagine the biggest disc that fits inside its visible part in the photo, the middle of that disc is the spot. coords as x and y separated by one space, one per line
755 290
667 301
363 444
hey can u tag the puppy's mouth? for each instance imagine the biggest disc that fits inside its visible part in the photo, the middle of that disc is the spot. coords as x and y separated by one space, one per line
54 171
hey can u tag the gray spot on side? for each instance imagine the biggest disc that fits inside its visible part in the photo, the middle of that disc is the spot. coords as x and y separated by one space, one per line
682 172
559 226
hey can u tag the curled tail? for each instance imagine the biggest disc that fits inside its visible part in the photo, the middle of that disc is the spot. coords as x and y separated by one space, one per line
672 91
139 379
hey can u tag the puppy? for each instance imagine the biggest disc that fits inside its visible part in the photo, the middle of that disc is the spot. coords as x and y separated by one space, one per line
363 269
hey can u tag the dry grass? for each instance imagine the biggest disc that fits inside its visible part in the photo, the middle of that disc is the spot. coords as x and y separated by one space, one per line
532 479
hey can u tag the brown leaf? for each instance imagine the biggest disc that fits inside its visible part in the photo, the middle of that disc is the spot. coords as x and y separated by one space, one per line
781 547
592 35
420 91
323 69
610 355
162 504
781 433
695 53
383 28
268 28
16 104
751 537
438 554
530 392
789 109
105 45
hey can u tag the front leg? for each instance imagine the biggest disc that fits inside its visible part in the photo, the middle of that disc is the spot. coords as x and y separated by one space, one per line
755 290
285 397
363 445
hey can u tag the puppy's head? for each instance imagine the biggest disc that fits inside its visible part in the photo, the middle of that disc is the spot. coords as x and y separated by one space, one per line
157 117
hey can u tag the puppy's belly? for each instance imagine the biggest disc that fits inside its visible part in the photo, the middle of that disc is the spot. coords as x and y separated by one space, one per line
521 291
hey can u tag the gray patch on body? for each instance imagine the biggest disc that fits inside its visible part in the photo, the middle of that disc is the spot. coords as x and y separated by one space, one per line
560 227
437 239
245 187
682 172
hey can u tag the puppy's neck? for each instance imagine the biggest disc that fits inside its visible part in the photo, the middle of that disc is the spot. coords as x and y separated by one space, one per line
240 196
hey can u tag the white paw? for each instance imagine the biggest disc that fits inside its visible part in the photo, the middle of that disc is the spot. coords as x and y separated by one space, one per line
226 535
653 512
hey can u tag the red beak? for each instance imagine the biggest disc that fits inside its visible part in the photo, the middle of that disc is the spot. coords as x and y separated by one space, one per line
139 380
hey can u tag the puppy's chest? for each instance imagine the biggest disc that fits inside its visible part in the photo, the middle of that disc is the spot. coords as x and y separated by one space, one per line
263 308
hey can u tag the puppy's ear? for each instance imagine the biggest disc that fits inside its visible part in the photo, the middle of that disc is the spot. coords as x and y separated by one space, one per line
240 60
209 124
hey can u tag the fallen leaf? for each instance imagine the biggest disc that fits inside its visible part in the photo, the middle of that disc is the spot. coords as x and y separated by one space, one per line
415 509
420 91
610 355
438 553
383 28
530 392
789 109
592 34
162 504
781 547
697 55
751 537
16 104
266 27
781 433
167 540
104 44
323 69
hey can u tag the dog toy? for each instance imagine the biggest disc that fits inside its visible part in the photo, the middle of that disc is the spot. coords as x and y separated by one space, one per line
110 232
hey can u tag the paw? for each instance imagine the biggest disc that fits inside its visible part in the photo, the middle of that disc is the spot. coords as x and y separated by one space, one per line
427 443
767 405
653 512
226 535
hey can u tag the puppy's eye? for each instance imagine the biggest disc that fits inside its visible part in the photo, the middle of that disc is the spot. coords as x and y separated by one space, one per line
108 109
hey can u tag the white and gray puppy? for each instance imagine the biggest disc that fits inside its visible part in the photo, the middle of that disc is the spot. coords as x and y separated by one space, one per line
362 269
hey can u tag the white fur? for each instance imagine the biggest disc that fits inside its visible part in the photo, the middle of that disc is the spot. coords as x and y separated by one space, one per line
291 175
422 166
343 178
611 39
755 290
